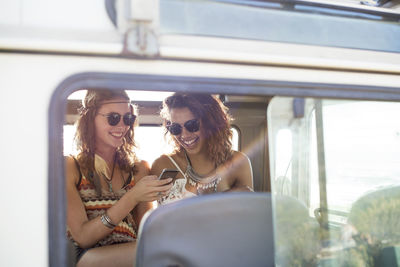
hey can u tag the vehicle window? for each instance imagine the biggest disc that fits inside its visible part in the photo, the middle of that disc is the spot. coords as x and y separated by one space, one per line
146 135
321 24
235 139
283 159
339 155
293 164
150 136
69 133
362 140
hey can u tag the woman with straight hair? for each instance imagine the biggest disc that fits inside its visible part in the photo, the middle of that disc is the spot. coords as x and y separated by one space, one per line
108 188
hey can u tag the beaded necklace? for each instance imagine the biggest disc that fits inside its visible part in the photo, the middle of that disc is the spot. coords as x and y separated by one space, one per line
199 181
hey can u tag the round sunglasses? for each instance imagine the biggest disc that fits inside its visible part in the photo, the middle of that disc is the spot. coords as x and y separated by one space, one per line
114 118
176 129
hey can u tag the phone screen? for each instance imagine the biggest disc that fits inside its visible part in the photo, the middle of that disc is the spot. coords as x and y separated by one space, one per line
168 173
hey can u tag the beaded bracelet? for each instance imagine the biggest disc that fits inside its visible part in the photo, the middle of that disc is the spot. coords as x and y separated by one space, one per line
107 221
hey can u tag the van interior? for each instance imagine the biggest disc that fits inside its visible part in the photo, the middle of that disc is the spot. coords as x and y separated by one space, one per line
329 165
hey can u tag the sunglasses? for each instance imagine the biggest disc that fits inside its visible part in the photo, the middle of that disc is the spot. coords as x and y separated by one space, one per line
114 118
176 129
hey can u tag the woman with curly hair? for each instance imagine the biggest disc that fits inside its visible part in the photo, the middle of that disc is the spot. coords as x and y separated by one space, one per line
199 127
108 189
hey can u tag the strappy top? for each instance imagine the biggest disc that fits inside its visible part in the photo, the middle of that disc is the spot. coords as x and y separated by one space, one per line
178 190
96 205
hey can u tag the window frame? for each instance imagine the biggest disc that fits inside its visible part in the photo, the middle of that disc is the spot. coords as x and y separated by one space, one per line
58 244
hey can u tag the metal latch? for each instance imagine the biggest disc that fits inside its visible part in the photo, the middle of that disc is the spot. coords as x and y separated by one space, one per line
139 20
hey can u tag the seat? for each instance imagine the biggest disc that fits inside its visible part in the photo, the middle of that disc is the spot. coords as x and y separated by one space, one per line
377 214
224 229
296 233
376 221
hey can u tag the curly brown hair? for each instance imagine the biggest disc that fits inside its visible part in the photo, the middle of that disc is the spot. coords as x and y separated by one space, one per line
85 134
215 122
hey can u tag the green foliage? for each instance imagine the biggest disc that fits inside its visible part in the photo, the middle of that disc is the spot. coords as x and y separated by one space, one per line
377 215
357 256
374 223
376 220
296 234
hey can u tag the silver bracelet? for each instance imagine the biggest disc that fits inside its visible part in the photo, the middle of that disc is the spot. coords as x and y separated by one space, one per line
107 221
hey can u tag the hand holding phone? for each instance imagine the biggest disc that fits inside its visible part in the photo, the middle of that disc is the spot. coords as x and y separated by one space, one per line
168 173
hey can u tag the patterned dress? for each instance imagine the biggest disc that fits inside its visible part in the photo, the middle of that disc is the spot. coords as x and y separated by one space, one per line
96 205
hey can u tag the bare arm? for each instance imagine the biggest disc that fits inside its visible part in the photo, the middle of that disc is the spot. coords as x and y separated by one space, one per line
87 232
142 207
241 169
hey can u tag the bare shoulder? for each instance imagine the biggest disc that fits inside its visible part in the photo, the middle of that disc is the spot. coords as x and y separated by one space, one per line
241 171
240 158
71 170
162 162
239 154
143 169
69 162
159 164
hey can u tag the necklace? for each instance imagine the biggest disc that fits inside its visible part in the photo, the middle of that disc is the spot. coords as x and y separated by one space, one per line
108 181
199 181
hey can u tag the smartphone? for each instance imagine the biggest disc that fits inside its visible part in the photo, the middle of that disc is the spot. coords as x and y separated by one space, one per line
168 173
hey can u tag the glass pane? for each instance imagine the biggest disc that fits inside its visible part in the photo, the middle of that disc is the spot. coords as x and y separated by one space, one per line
152 138
235 139
145 136
348 152
269 21
148 135
69 133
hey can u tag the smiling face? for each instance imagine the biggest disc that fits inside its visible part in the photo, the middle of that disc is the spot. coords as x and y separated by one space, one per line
110 137
192 142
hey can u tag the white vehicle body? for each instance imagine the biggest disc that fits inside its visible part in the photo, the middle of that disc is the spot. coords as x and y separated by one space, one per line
49 49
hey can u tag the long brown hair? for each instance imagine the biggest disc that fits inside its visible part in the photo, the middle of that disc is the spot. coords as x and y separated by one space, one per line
215 122
85 138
